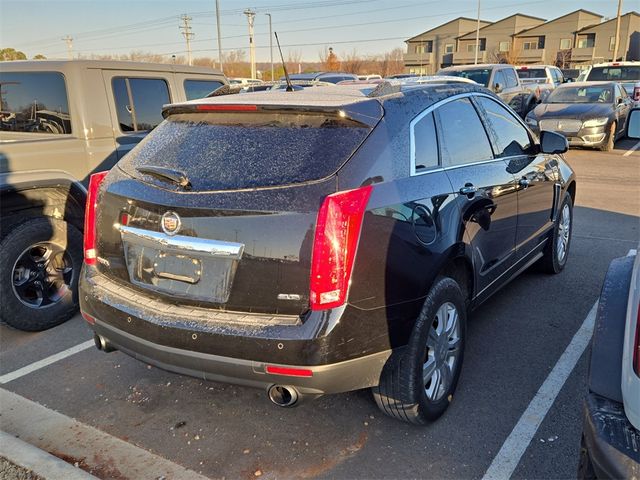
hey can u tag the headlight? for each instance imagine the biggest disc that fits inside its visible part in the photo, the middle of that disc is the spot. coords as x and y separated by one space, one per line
595 122
531 121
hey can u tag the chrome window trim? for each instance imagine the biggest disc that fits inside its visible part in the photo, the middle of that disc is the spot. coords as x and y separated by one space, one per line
182 243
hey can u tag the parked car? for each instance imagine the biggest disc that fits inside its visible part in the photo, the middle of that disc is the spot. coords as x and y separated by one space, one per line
369 77
243 81
611 433
589 114
60 121
543 78
503 80
571 74
627 73
399 76
329 77
322 241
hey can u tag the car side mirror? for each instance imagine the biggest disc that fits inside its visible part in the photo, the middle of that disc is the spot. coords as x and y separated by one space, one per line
497 88
552 142
633 124
619 101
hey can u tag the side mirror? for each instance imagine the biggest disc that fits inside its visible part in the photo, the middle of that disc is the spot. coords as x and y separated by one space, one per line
497 88
552 142
633 124
619 101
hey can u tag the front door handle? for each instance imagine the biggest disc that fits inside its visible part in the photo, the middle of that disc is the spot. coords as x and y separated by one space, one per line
524 182
468 189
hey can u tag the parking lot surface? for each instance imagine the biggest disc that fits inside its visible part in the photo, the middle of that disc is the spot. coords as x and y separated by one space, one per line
225 431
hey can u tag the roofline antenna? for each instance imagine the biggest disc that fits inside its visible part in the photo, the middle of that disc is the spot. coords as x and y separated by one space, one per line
284 66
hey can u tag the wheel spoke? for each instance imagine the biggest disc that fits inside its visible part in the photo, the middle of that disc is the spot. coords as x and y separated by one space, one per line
428 370
454 345
452 323
433 339
445 377
432 391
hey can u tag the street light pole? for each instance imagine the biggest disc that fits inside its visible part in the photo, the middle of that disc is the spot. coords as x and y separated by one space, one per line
251 15
475 61
219 37
270 45
617 41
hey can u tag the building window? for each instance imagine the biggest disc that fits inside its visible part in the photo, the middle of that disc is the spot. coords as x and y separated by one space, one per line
587 41
471 47
612 43
565 44
503 47
530 45
448 48
420 49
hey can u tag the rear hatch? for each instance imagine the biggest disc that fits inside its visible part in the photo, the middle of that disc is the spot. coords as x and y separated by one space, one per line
218 208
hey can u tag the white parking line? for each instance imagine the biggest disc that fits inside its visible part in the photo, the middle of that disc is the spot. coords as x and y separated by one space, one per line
507 459
631 150
8 377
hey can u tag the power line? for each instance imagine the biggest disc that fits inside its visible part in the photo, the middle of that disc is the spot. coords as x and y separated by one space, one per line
187 34
69 41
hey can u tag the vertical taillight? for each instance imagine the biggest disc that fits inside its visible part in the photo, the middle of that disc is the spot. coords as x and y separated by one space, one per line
636 346
90 217
636 93
334 247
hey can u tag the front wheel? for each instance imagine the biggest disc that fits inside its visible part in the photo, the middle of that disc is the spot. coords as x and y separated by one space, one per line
609 142
417 384
556 251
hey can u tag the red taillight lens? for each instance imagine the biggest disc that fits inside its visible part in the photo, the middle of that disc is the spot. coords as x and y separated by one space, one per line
291 372
88 318
90 218
636 346
636 93
208 107
334 247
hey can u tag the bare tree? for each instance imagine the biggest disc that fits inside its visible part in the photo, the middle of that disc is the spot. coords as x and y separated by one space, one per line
352 63
510 56
392 62
294 61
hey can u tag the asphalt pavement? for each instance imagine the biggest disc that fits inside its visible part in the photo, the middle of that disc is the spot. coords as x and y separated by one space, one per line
225 431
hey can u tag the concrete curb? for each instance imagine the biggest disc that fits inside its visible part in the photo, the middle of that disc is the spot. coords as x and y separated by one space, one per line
38 461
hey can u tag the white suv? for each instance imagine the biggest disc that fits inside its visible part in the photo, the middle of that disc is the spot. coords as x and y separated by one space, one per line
627 73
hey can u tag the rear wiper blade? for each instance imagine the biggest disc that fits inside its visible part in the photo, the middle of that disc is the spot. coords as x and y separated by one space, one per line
166 174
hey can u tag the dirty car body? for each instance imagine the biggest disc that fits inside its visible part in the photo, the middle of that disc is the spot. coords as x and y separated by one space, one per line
218 272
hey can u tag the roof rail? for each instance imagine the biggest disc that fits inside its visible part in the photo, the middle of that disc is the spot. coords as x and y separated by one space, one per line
385 88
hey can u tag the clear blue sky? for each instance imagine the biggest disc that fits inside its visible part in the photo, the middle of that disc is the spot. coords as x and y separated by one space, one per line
305 26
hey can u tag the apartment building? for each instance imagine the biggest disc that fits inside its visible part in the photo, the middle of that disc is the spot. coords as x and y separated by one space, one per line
433 49
573 40
495 40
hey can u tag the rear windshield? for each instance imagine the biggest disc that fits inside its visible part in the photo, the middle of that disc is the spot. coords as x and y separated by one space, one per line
589 94
227 151
478 75
620 73
532 73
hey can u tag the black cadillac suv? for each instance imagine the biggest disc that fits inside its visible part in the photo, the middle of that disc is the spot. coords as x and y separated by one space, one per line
322 240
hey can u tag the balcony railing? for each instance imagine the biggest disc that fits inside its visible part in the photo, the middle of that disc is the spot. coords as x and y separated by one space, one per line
418 58
465 58
582 54
531 55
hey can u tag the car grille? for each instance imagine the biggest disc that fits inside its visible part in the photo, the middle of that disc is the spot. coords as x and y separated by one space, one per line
561 125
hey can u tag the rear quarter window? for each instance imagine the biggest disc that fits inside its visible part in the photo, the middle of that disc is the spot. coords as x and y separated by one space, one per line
34 102
200 88
139 102
227 151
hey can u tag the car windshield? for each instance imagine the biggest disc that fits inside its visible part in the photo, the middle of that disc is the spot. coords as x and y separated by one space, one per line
532 73
612 74
478 75
587 94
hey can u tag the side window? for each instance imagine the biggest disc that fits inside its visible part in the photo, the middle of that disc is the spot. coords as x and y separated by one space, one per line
461 136
200 88
510 136
511 78
425 143
139 102
499 78
623 92
559 76
34 102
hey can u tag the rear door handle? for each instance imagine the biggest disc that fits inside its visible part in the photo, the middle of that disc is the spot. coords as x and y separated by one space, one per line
468 189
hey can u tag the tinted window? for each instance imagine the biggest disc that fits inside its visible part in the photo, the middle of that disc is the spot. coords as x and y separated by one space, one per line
614 73
510 136
532 73
425 143
510 75
139 102
588 94
222 151
200 88
478 75
498 77
461 134
34 102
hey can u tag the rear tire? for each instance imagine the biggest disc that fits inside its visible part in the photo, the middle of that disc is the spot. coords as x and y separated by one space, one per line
418 382
609 144
39 270
556 251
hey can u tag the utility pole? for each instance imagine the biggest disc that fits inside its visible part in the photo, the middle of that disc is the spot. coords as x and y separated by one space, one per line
219 35
475 61
617 41
251 15
69 41
187 34
270 45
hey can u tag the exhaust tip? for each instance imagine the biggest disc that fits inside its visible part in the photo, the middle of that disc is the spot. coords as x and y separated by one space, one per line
283 396
103 344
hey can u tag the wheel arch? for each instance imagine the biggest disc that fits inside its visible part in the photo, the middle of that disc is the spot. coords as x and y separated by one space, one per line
459 266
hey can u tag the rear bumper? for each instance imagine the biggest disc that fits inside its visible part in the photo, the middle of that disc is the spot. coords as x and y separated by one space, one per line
228 347
612 443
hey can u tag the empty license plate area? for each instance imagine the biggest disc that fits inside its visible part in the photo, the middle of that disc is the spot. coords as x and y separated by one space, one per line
194 268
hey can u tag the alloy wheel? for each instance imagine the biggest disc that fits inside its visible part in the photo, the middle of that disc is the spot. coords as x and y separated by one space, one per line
442 352
564 231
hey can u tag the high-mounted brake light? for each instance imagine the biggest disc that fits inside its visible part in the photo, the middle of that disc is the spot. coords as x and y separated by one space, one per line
226 108
636 93
334 247
289 371
636 346
90 218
